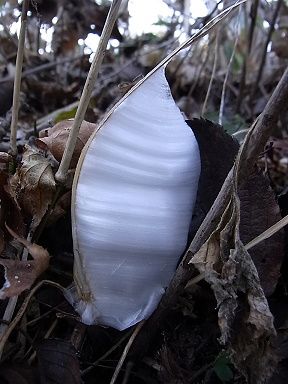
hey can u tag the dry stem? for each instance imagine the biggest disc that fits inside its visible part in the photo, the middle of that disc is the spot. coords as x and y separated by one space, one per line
17 82
87 91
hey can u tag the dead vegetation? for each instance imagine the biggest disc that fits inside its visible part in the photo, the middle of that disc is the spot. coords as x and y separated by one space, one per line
223 319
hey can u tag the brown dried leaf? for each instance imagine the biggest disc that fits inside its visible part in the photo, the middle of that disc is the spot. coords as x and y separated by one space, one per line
259 209
244 317
33 185
17 374
20 275
58 362
57 136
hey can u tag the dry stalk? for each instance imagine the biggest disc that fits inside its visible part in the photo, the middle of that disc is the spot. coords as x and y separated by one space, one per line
222 103
17 82
126 350
87 91
12 302
216 50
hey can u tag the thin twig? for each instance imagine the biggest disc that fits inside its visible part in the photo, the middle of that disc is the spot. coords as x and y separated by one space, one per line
264 54
20 313
88 88
12 302
126 350
17 82
253 15
42 67
212 74
106 354
222 103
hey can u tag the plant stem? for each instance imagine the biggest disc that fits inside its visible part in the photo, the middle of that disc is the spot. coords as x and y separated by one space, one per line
87 91
17 82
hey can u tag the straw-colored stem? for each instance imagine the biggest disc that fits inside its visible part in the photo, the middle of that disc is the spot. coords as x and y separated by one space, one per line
17 82
87 91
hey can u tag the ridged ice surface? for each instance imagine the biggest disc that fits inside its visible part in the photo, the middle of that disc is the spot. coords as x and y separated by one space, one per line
133 205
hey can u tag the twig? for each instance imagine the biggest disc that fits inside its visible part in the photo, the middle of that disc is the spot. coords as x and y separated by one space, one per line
253 15
41 68
17 82
12 302
212 74
86 94
106 354
221 110
257 240
264 54
126 350
47 334
20 313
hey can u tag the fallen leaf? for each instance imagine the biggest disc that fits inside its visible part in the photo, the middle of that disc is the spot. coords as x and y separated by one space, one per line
58 362
244 317
33 185
56 138
17 374
259 208
20 275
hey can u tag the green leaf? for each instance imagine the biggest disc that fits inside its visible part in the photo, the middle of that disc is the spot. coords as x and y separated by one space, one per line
65 115
222 368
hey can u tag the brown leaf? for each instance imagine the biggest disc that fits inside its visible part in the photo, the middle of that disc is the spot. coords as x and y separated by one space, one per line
33 185
17 374
259 211
58 362
57 136
244 317
259 208
20 275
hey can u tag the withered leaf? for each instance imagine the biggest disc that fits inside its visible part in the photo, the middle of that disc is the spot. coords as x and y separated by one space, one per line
259 208
20 275
56 138
17 374
244 317
58 362
33 185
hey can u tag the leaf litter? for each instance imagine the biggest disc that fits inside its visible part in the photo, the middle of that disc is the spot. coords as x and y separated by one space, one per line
244 317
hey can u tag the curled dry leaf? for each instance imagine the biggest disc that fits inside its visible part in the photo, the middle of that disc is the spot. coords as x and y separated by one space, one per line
56 138
20 275
5 158
33 185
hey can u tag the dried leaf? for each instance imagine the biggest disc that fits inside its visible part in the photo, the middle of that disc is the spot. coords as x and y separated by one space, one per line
259 209
17 374
33 185
20 275
58 362
244 318
57 136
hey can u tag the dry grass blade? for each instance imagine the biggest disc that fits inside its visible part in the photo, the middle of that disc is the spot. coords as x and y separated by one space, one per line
266 234
126 350
216 50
